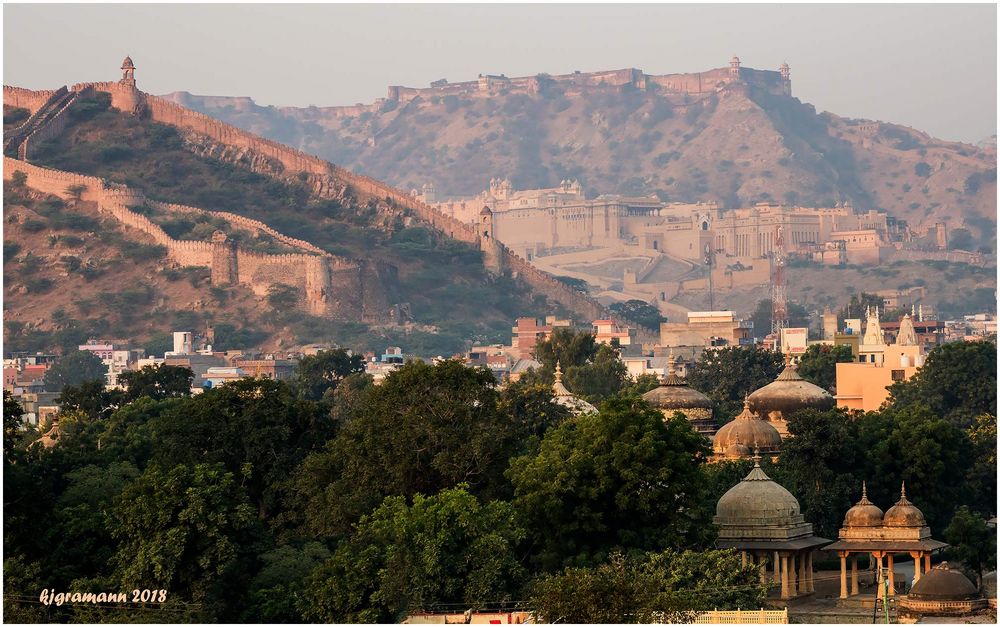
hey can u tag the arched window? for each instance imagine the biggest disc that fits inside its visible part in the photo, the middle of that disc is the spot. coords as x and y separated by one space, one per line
655 247
704 225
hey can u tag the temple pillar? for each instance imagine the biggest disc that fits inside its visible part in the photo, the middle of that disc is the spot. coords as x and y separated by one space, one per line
892 578
854 575
878 579
743 558
762 568
843 575
784 577
927 562
793 575
916 555
812 573
777 568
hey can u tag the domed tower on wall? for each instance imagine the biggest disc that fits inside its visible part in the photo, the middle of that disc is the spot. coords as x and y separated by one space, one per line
787 394
763 521
786 79
128 72
125 96
734 67
488 244
674 395
744 433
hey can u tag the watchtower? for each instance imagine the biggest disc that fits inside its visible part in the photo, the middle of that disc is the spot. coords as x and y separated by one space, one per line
224 260
128 72
488 243
734 67
786 79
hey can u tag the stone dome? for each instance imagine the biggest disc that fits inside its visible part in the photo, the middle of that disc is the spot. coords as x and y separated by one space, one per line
737 450
674 393
567 399
748 430
904 513
942 583
864 513
127 63
757 501
788 394
486 211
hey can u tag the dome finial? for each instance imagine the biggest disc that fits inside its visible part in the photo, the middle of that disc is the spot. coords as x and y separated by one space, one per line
756 457
671 363
558 372
902 491
864 490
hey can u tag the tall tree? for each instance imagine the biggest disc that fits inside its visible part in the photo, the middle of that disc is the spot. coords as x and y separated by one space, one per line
818 364
157 382
424 429
958 381
819 465
442 549
567 347
625 478
981 484
598 379
253 426
315 374
728 374
74 368
972 542
190 530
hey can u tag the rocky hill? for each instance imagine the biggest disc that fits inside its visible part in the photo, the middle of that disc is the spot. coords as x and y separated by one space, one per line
113 220
739 144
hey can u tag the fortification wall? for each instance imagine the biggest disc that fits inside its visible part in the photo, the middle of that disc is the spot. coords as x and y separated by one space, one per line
243 222
47 129
26 98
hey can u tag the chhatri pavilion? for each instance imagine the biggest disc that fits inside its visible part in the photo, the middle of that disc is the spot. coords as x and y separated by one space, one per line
743 434
674 395
562 396
762 520
902 529
787 394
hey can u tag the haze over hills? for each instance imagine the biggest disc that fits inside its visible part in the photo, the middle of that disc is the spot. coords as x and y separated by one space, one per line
734 141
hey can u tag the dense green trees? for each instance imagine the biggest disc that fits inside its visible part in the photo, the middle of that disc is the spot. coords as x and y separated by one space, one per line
667 587
973 542
443 549
818 364
625 478
728 374
73 368
332 499
641 312
318 374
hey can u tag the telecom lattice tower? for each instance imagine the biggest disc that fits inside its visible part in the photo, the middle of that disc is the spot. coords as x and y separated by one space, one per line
779 302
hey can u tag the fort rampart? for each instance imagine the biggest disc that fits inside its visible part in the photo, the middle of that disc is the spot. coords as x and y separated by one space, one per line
323 176
26 98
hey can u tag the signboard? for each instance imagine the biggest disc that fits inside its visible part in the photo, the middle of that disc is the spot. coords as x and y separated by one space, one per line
794 340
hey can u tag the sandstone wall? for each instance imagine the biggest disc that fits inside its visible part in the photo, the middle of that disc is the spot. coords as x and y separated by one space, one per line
48 127
25 98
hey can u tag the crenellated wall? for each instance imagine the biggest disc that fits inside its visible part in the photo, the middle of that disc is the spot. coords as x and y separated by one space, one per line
26 98
327 180
312 274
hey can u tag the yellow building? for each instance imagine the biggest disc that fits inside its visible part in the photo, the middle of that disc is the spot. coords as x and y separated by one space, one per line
863 385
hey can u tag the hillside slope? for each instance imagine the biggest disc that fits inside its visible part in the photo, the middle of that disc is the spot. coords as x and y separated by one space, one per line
438 287
738 146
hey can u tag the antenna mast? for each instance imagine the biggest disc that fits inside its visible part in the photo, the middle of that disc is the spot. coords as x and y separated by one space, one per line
779 303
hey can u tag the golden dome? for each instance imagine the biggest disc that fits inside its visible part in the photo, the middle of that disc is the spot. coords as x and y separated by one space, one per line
864 513
674 393
789 393
748 430
904 513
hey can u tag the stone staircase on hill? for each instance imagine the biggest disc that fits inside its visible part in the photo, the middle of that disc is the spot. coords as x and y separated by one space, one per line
14 141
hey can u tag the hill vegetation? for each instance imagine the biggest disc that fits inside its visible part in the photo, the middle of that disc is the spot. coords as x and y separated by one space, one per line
735 148
441 284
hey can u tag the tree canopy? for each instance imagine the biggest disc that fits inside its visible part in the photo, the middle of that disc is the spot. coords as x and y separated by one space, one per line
818 364
74 368
726 375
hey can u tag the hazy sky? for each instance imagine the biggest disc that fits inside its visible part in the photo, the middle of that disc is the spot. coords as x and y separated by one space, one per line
933 67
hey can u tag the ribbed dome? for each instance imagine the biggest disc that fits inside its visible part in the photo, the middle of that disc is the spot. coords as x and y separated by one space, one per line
674 393
748 430
788 394
567 399
864 513
904 513
944 584
757 501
